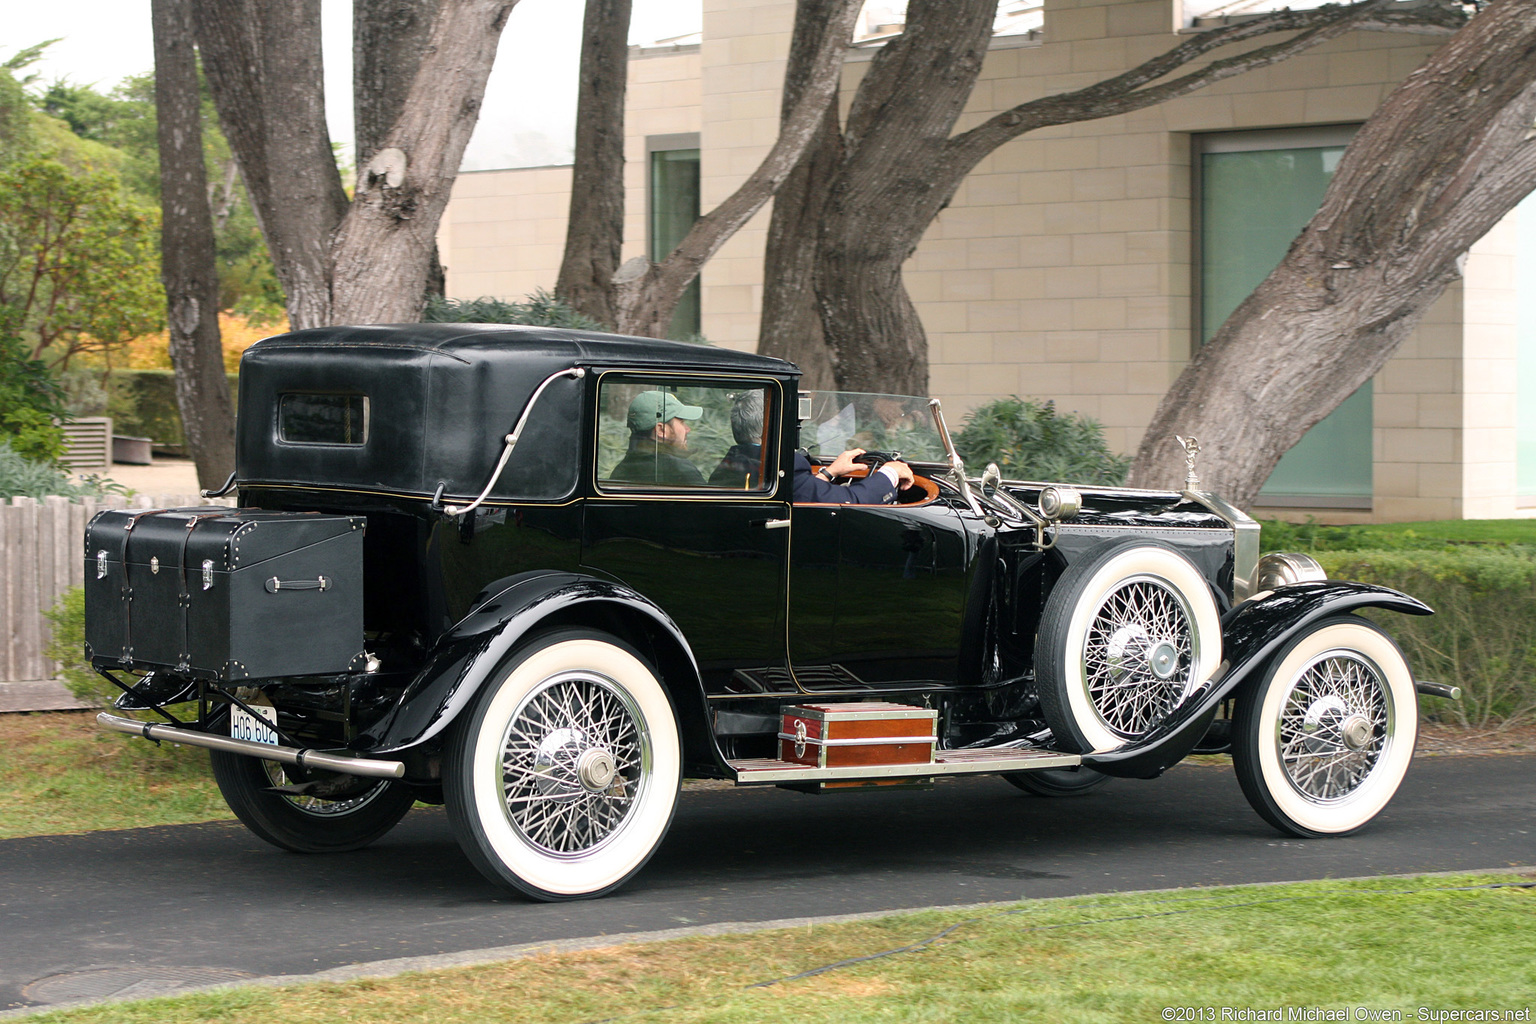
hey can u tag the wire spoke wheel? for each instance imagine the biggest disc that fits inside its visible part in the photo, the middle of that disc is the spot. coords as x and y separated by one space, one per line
1323 740
1333 725
574 762
1137 655
562 781
356 794
1125 635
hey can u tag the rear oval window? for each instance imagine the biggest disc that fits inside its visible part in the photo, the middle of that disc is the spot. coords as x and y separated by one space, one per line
323 419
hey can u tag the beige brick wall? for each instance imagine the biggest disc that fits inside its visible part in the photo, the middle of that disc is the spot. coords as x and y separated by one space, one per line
1062 269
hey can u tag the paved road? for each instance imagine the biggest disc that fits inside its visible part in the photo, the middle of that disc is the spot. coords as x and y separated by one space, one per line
145 910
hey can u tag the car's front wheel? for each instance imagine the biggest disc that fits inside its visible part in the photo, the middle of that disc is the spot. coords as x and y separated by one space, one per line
352 813
562 780
1323 741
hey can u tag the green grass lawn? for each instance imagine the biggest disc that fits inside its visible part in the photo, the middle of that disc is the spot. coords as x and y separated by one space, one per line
63 773
1374 946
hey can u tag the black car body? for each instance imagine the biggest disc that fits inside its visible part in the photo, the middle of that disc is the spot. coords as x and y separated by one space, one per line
469 593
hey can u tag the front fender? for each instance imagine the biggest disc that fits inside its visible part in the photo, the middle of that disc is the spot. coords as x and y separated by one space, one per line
470 652
1252 633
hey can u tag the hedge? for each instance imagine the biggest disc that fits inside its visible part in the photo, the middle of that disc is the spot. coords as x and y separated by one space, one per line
1482 636
143 404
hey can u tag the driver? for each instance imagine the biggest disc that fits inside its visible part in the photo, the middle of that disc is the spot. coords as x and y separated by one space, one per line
814 484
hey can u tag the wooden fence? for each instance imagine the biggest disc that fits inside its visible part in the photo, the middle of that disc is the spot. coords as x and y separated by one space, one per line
42 554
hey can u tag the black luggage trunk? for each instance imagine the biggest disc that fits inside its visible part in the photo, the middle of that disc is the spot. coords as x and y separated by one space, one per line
224 594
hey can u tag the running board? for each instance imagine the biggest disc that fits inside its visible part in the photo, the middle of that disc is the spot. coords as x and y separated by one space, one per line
752 771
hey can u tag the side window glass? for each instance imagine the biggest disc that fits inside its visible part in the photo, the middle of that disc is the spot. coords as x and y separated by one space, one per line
656 433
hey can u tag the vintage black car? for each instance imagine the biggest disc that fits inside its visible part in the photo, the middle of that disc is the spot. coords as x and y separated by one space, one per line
470 565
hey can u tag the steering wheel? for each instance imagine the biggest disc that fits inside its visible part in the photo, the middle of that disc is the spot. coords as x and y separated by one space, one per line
874 460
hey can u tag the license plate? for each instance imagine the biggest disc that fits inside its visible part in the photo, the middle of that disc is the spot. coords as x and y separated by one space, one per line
245 726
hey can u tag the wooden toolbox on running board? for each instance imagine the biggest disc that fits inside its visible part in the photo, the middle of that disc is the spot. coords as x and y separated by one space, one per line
870 733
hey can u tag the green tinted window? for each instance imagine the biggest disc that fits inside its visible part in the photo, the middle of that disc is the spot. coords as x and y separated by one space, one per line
1253 204
674 194
657 433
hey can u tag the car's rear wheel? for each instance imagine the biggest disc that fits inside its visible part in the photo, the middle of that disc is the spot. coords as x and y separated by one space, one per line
1125 635
1323 741
353 812
562 780
1053 782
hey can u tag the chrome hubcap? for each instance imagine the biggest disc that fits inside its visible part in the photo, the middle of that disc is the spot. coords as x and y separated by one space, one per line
1334 726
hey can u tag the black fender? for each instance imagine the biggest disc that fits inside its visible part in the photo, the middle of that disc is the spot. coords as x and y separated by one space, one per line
1251 634
503 615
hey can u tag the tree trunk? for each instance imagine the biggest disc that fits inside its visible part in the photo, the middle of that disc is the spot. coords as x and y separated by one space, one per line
594 231
647 295
382 252
187 258
790 326
883 197
902 166
263 65
1448 154
389 38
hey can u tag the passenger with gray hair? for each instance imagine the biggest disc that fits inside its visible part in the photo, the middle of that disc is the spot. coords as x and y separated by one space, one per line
742 465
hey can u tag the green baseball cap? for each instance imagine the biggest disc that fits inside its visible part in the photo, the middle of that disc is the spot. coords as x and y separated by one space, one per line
652 407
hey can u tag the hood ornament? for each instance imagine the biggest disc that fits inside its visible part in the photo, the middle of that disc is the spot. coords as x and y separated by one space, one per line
1191 448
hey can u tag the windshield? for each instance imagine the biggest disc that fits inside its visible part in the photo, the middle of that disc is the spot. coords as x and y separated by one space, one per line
841 420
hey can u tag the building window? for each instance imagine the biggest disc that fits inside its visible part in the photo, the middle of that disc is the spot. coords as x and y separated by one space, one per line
1525 335
1257 190
672 198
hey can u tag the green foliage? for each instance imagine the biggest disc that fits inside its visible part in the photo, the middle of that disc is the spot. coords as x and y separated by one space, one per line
1031 440
1314 536
142 403
1482 636
22 477
30 400
66 645
79 262
541 309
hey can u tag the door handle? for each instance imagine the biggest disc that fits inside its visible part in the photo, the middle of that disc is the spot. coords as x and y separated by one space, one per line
772 524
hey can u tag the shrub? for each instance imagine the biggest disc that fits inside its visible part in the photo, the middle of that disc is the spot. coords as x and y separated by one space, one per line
21 477
30 400
1032 440
66 645
541 309
1482 636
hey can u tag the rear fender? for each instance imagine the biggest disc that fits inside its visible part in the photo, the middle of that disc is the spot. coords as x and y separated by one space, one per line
505 614
1252 633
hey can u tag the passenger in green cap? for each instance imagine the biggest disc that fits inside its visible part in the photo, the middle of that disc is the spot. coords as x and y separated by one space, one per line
658 440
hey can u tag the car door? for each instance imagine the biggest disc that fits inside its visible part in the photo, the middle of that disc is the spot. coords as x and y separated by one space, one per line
702 528
877 596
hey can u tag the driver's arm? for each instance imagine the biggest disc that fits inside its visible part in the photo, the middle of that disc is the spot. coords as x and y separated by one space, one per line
844 463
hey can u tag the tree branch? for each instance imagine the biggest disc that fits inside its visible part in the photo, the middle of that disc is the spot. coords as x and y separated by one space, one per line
1132 90
662 284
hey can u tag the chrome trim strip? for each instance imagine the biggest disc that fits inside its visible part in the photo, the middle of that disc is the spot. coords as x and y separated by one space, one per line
856 741
302 757
750 771
860 715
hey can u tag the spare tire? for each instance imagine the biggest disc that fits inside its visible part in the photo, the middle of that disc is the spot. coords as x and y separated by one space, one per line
1126 633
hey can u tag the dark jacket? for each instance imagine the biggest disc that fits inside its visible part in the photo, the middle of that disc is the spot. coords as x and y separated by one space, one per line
648 462
875 489
741 467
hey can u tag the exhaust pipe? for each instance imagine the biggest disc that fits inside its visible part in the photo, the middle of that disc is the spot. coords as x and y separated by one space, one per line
301 757
1445 690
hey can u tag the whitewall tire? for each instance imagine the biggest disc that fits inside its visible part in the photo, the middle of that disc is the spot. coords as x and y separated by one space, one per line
562 780
1125 635
1323 741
